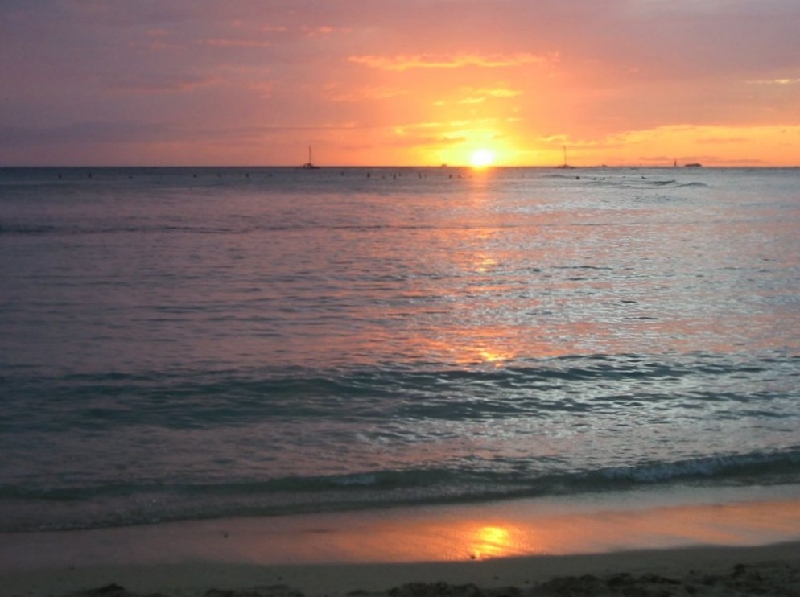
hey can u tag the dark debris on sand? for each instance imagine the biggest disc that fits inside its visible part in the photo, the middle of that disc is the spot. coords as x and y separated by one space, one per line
112 590
765 580
272 591
442 589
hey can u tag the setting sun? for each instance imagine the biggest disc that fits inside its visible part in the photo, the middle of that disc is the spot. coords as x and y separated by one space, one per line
482 158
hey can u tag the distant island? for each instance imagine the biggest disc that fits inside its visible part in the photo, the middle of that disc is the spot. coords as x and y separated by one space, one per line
693 165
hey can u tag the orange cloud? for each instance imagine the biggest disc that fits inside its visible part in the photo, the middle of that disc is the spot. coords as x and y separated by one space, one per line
479 96
407 62
501 92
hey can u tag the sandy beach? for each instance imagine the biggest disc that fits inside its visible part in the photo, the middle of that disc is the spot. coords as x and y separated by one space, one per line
764 570
603 546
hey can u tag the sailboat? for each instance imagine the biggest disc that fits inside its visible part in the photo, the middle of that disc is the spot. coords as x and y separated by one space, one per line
309 165
565 165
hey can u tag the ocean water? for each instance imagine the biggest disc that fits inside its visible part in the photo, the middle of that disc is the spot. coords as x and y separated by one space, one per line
192 343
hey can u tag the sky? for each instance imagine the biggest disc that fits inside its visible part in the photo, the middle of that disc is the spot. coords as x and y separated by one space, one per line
399 82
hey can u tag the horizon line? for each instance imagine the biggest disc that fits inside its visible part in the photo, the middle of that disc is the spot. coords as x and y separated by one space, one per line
431 166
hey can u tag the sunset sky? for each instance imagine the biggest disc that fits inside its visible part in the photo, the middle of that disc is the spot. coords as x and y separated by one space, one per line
399 82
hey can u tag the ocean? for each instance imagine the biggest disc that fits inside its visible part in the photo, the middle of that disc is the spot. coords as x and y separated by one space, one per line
198 343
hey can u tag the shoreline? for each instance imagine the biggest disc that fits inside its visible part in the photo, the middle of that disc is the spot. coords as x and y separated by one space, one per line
519 543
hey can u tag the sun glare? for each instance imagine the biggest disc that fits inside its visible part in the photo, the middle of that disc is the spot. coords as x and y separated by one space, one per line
481 158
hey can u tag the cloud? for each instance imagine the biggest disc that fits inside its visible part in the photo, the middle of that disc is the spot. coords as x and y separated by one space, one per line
85 132
443 125
780 82
501 92
235 43
162 83
479 96
132 132
367 94
323 30
407 62
722 140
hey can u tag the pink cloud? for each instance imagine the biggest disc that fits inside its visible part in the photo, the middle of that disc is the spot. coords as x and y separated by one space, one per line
163 84
323 30
407 62
366 94
235 43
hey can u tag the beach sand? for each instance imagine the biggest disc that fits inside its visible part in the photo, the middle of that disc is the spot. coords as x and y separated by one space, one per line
765 570
614 546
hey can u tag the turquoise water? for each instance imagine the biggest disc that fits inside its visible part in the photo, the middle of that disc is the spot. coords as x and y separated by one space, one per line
193 343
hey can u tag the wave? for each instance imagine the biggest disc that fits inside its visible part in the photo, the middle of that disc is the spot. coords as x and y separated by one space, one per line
642 182
381 436
199 399
766 467
777 466
196 399
125 505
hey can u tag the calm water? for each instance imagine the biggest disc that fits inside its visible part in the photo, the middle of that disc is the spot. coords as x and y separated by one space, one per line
191 343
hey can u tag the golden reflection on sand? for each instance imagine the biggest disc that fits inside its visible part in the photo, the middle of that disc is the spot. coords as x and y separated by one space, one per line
491 542
521 529
430 534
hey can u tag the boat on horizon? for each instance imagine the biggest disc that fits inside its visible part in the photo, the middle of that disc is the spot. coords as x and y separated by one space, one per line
565 165
309 165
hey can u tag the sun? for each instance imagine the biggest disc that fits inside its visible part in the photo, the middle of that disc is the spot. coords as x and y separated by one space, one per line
481 158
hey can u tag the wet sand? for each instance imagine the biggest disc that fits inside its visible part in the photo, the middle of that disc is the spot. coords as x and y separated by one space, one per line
616 545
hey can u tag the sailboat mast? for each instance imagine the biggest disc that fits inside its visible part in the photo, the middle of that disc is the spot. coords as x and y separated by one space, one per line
309 165
564 149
